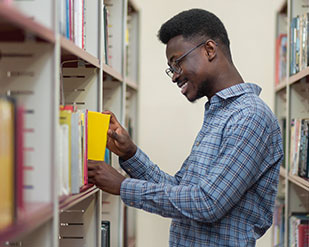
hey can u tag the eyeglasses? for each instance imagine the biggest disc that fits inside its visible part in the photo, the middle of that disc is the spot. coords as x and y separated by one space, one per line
175 67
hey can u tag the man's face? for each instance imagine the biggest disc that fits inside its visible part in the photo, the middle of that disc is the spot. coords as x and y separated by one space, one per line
191 76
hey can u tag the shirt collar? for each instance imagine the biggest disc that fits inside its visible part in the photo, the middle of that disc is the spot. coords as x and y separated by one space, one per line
238 90
233 91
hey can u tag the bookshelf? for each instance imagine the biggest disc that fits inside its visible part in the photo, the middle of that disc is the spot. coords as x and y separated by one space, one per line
52 54
292 108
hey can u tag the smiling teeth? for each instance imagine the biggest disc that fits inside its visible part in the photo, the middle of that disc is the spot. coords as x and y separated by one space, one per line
184 85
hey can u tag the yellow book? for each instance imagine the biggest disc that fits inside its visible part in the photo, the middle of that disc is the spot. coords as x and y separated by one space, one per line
98 124
6 162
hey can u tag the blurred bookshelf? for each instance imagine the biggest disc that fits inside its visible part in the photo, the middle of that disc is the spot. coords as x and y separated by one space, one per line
77 54
291 217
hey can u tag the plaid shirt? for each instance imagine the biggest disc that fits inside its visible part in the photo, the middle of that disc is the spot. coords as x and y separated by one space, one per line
224 193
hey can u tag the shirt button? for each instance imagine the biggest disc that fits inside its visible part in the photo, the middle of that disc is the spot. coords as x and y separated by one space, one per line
197 143
131 203
129 170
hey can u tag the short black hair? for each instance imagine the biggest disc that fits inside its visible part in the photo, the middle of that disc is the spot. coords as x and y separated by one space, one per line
195 23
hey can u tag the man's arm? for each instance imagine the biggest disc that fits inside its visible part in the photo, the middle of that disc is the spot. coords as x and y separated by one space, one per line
248 150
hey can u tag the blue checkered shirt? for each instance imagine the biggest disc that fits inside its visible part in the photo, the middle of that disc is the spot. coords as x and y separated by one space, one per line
224 193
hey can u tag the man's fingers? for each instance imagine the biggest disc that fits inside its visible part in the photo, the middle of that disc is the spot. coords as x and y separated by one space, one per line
112 134
91 181
92 164
91 173
113 119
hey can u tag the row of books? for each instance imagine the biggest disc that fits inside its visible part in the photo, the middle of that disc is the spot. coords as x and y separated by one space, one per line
72 21
299 43
298 226
11 160
299 148
299 230
83 136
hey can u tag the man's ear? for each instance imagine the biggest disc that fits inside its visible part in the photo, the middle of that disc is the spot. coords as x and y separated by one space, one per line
211 49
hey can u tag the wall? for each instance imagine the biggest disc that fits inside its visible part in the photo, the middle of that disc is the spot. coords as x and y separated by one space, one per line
168 123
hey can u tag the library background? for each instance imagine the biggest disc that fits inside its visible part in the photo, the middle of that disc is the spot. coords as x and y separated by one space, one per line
63 61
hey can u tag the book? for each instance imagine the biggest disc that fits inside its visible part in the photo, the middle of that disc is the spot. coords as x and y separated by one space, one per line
85 145
65 119
7 142
281 58
75 153
303 235
295 220
64 188
19 159
98 124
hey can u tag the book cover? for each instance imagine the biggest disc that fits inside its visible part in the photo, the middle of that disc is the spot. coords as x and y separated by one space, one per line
19 158
64 188
65 118
75 171
303 235
7 142
98 124
85 146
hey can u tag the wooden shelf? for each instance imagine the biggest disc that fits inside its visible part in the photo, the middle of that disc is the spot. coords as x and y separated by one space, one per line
281 85
298 76
301 182
111 72
282 172
34 215
131 84
14 26
71 51
71 200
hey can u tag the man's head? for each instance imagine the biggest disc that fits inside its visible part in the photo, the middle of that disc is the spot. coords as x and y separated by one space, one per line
194 24
195 38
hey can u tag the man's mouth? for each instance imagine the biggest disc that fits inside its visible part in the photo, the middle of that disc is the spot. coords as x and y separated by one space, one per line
183 86
182 83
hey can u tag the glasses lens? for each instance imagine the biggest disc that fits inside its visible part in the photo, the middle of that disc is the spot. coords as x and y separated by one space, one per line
169 72
175 68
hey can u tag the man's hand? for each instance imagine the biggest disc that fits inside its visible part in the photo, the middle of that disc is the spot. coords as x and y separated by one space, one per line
118 139
104 177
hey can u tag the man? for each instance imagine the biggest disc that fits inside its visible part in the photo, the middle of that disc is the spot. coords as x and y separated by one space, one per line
224 193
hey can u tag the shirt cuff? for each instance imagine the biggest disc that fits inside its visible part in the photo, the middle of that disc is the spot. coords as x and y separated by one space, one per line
131 192
136 165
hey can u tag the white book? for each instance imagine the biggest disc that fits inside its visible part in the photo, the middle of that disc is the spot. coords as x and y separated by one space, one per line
74 154
64 188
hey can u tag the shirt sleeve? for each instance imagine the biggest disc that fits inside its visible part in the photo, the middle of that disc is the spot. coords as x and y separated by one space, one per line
141 167
249 147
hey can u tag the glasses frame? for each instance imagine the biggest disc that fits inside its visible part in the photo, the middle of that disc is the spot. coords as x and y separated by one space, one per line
172 69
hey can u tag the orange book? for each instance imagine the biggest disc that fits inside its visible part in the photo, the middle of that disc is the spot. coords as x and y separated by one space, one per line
7 178
98 124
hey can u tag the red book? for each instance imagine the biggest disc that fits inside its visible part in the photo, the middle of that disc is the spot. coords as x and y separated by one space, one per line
280 58
19 144
86 149
303 235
